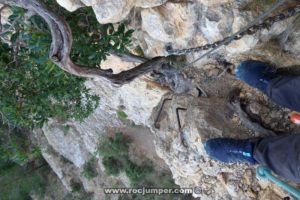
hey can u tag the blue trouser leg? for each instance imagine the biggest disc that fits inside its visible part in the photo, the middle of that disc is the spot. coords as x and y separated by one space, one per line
283 90
281 154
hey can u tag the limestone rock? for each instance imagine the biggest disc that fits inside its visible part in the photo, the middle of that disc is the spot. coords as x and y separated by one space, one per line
149 3
5 13
193 24
216 23
70 5
243 45
290 39
63 170
180 25
137 98
75 141
184 152
152 47
108 11
68 144
168 23
214 3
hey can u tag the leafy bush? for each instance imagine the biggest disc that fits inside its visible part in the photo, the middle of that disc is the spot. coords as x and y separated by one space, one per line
89 170
121 115
15 147
114 147
78 192
17 183
112 166
92 42
115 158
32 88
22 171
138 175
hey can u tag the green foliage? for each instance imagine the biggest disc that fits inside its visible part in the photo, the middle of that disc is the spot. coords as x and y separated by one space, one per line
111 40
78 192
114 147
89 171
15 147
138 175
76 186
65 128
32 88
122 115
92 42
20 171
18 183
115 158
113 166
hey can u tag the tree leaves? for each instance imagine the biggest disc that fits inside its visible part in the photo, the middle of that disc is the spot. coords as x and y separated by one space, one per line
32 88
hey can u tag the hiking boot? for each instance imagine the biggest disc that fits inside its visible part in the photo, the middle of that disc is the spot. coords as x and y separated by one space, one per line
230 151
256 74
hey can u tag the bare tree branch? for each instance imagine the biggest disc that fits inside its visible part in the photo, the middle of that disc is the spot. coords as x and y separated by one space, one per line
62 43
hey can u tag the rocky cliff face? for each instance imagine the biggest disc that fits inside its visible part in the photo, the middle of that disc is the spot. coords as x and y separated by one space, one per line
181 24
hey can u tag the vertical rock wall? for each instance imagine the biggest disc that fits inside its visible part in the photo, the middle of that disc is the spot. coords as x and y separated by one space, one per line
180 24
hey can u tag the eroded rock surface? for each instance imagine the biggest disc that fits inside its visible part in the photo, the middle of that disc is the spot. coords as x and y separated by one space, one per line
184 152
108 11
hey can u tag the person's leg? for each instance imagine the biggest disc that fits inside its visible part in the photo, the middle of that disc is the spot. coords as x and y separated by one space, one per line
279 153
283 90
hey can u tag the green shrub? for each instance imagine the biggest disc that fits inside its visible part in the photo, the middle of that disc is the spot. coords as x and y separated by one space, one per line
117 146
89 169
32 88
17 183
22 171
112 166
122 115
78 192
76 186
92 42
114 152
138 175
115 158
15 146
